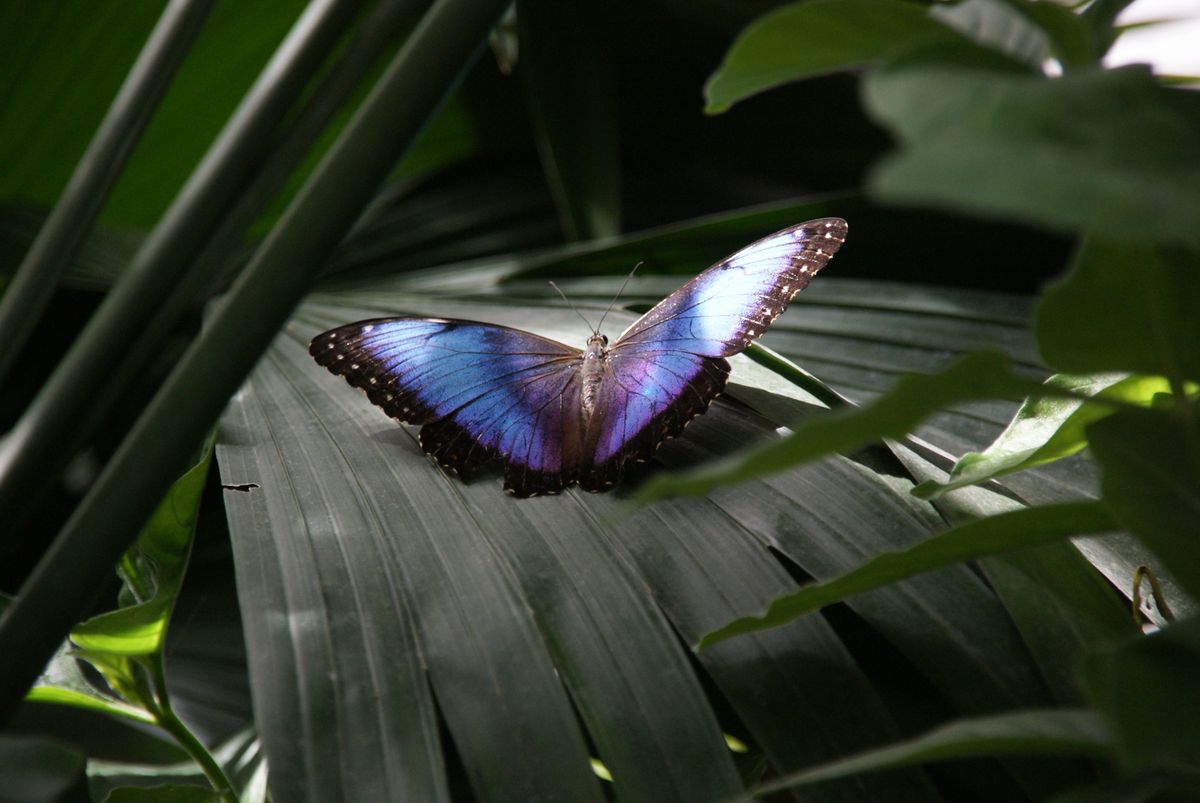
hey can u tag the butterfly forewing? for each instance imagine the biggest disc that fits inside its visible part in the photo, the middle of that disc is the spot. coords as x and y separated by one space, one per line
483 391
721 311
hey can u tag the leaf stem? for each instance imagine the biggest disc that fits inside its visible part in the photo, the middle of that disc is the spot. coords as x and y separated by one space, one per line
166 719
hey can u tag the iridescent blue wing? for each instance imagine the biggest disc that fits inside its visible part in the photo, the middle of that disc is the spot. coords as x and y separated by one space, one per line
481 391
644 398
726 307
666 368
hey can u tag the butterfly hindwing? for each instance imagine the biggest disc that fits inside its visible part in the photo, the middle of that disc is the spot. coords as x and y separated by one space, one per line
644 400
482 391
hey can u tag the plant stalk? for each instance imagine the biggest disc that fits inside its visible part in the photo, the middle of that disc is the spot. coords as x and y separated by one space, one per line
172 724
65 399
60 238
240 329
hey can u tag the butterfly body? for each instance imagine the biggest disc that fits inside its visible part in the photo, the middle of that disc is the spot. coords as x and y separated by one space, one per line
557 415
591 374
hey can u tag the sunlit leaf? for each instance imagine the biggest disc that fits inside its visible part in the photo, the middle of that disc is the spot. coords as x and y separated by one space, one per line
1047 429
152 570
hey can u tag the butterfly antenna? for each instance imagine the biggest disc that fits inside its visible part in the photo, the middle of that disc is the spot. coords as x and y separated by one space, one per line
572 306
618 295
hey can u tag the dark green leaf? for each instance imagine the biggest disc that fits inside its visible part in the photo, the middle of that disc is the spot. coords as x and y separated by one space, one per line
987 536
806 39
1151 461
978 376
1148 687
565 66
1147 298
1046 732
1095 150
1063 607
41 771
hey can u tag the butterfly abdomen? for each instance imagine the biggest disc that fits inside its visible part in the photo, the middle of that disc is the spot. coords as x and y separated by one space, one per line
591 374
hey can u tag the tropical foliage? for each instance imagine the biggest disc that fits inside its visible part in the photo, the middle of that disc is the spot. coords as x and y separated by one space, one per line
939 540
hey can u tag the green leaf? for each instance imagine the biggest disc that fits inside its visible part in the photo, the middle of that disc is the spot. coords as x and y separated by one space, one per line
569 92
1038 733
802 40
1047 429
88 699
1147 299
1095 150
38 770
1151 462
63 683
1147 687
978 376
988 536
152 570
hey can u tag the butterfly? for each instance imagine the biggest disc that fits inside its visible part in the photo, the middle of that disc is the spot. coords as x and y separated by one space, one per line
557 415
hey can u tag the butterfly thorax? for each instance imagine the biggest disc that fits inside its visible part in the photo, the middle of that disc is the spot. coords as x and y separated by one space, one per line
592 373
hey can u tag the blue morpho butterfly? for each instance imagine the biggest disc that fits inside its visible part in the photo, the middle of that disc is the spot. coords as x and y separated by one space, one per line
557 415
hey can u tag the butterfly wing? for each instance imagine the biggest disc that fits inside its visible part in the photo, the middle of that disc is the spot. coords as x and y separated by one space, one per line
725 308
645 398
666 368
482 392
